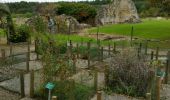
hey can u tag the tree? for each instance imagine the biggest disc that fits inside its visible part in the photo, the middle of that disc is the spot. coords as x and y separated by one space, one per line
82 12
4 10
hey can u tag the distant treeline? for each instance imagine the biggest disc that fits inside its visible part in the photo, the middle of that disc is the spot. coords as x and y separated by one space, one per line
146 8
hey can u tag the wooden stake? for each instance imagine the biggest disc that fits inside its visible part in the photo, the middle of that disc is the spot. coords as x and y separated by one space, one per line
27 62
146 47
101 53
157 53
158 85
28 49
77 50
95 80
168 57
32 84
70 49
109 49
10 49
140 47
114 47
148 96
152 54
22 87
131 36
167 72
74 63
81 41
88 53
99 95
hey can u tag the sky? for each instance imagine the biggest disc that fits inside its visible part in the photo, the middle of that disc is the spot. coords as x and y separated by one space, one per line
39 0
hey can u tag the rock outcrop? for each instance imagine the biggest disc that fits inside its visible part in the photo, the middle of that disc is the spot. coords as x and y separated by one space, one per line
64 24
119 11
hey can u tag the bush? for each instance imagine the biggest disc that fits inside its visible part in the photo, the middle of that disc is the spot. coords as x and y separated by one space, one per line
21 35
2 32
128 74
82 12
151 12
67 90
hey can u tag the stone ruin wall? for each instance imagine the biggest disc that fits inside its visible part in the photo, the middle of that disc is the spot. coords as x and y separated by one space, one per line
119 11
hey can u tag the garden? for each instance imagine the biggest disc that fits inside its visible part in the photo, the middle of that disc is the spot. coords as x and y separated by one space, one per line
70 57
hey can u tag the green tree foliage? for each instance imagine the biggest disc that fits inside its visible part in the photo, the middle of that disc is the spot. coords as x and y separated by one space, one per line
39 25
21 35
22 7
166 6
153 8
82 12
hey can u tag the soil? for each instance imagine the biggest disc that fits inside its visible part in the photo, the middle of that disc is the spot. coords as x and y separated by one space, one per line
102 36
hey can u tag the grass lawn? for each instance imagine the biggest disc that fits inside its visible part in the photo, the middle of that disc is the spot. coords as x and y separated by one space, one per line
147 29
63 38
2 33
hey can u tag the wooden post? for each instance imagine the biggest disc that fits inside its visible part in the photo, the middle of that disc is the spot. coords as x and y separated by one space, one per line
114 47
146 47
95 80
131 36
10 51
158 85
22 87
148 96
167 72
81 41
32 83
70 49
77 46
28 49
168 57
54 97
101 53
36 48
74 63
99 95
99 43
152 54
109 49
27 62
106 75
138 53
88 53
98 51
98 54
3 53
157 53
140 47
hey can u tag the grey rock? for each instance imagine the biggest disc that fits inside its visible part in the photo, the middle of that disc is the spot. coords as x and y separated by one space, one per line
119 11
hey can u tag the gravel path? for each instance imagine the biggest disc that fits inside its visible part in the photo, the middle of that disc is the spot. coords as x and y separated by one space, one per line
6 95
114 97
165 92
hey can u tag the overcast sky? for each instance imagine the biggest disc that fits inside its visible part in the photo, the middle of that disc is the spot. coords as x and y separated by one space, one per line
39 0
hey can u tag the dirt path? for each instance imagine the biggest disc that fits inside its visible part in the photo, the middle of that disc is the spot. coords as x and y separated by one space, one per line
102 36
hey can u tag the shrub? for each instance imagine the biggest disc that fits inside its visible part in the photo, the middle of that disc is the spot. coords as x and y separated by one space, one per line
68 90
128 74
21 35
2 32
